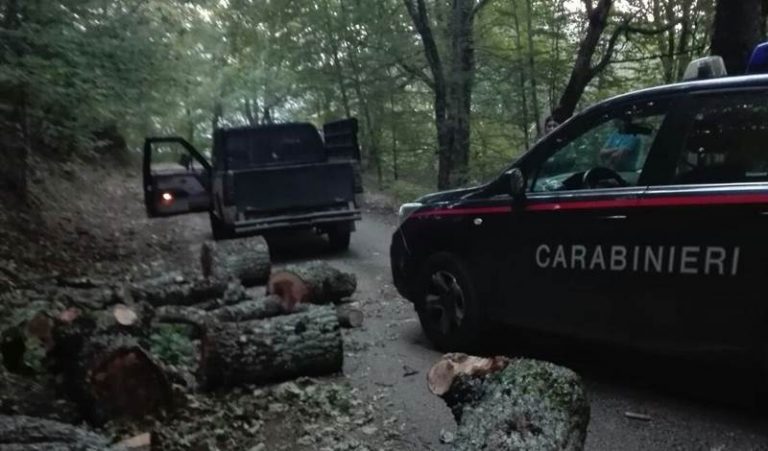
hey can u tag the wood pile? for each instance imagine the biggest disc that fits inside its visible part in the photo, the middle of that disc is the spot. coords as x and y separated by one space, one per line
83 350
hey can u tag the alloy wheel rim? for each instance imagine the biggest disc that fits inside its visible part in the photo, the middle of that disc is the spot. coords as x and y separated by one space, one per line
445 301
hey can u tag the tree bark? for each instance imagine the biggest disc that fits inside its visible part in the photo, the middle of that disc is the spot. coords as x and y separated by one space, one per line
23 433
583 72
273 349
174 289
244 259
316 283
739 27
504 404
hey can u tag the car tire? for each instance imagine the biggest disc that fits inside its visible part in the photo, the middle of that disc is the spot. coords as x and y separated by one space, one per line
447 304
219 229
339 238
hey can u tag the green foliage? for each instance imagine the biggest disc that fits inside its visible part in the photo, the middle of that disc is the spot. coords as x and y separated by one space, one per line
172 345
181 67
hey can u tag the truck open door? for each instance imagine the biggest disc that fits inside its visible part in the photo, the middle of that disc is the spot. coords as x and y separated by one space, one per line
341 143
177 178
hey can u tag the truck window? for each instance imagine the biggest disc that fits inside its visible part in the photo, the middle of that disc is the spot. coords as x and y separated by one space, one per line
272 145
726 141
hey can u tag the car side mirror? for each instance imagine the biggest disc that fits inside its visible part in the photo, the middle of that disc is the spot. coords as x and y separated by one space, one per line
516 184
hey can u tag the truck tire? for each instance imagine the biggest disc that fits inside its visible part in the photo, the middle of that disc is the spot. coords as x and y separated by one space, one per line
219 228
339 237
447 304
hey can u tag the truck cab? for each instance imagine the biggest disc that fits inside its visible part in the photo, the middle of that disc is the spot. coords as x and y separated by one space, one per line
261 179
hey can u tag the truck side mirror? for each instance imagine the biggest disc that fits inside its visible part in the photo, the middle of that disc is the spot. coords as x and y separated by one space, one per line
516 184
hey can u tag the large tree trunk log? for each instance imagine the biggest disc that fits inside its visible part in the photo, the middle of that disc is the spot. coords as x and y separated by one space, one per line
244 259
105 366
504 404
315 282
174 289
113 376
22 433
273 349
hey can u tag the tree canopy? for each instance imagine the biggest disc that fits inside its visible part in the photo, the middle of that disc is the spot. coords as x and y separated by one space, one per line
461 86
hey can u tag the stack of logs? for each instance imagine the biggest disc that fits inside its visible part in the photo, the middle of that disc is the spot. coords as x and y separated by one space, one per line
100 358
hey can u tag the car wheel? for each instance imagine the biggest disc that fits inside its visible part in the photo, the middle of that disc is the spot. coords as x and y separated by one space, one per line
447 304
338 238
219 229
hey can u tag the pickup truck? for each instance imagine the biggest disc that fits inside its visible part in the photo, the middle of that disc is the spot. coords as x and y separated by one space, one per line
261 179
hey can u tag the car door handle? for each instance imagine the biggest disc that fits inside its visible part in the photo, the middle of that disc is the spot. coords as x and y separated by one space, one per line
615 217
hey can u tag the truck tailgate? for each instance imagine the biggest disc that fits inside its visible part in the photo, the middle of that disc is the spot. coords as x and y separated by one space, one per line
299 187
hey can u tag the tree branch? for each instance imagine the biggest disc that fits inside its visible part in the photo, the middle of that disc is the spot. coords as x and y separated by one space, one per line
416 72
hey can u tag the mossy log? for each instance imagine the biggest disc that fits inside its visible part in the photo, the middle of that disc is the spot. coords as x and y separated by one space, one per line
244 259
175 289
307 343
34 396
23 433
266 307
504 404
114 376
314 282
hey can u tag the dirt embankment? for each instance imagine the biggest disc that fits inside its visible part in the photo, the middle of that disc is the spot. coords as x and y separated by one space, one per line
83 220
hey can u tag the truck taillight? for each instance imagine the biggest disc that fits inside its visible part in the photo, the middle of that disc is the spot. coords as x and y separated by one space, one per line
229 188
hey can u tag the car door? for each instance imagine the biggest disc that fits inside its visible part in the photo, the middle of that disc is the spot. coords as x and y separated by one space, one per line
563 255
176 177
705 218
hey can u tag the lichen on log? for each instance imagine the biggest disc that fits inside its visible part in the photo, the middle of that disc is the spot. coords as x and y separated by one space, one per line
244 259
513 404
268 350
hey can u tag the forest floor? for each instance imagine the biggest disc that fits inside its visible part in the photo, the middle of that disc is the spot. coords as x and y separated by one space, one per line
91 222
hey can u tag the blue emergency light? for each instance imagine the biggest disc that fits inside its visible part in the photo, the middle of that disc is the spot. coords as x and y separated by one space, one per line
758 63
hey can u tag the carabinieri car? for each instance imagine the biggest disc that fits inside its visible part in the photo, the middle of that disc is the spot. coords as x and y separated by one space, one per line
663 248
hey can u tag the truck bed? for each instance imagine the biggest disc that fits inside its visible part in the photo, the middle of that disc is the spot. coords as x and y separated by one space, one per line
303 188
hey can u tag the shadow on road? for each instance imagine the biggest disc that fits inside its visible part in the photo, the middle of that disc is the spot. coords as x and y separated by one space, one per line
293 246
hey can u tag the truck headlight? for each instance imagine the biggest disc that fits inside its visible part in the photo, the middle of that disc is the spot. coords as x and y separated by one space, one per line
407 209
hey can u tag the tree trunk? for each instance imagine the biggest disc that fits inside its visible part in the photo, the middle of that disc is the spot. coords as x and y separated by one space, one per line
105 364
244 259
739 27
267 307
504 404
315 282
174 289
23 433
583 72
532 69
273 349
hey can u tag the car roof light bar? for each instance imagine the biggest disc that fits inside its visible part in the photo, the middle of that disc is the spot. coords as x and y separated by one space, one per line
705 68
758 63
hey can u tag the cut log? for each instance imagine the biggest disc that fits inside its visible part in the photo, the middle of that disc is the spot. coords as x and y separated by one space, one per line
24 433
174 289
349 317
273 349
504 404
109 375
24 345
316 282
23 395
266 307
244 259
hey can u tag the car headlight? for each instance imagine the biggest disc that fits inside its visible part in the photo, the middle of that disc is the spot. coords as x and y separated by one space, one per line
407 209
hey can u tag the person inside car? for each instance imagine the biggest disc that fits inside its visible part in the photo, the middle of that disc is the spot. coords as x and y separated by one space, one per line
621 150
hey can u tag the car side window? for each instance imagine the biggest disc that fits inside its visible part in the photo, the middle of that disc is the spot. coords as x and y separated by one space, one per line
610 153
726 141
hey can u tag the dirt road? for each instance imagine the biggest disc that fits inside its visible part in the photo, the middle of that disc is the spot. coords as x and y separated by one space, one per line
388 358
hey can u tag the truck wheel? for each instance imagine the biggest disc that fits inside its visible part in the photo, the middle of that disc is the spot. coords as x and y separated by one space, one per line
219 229
338 238
447 304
